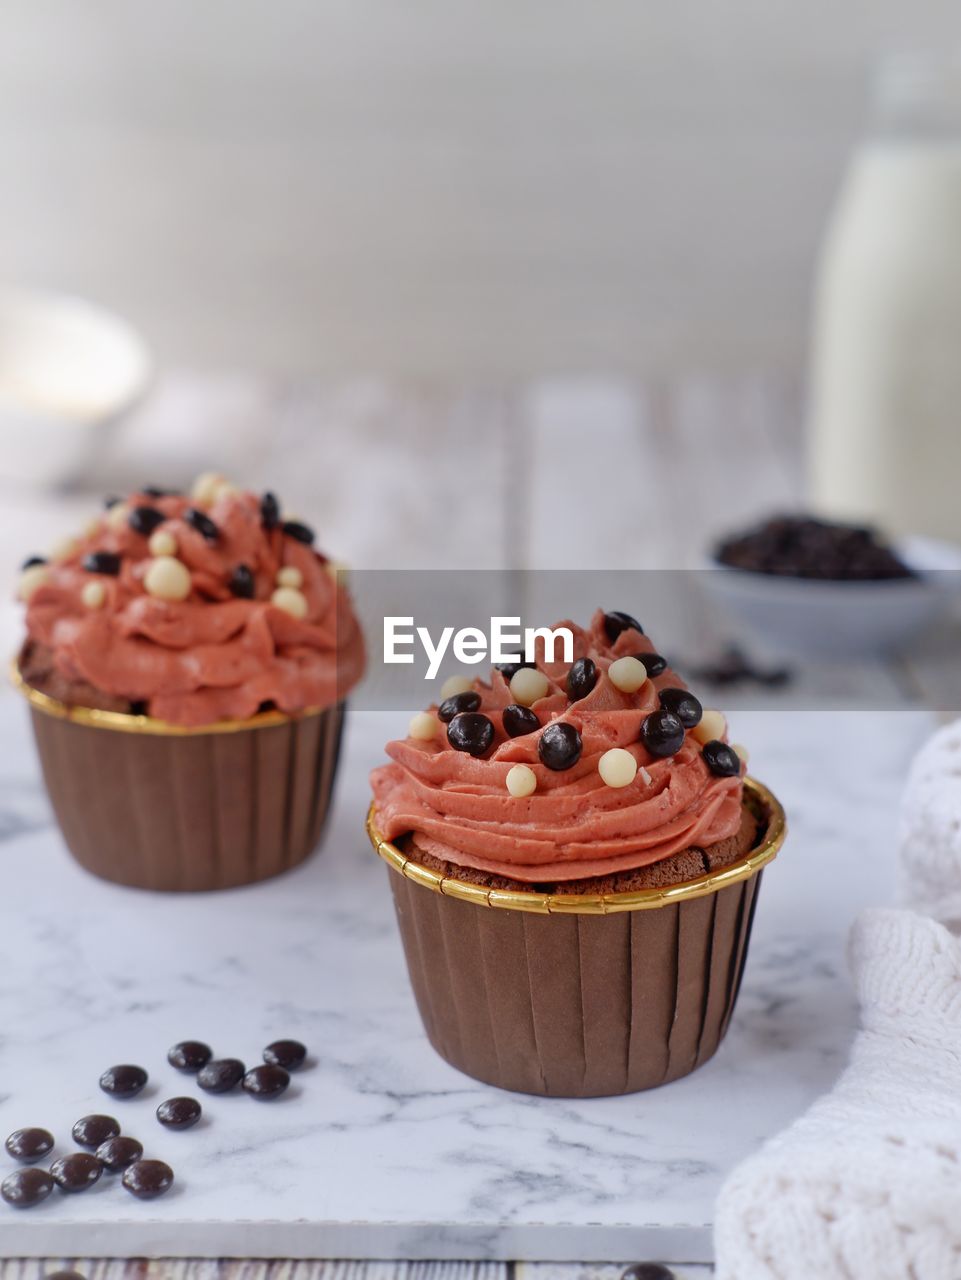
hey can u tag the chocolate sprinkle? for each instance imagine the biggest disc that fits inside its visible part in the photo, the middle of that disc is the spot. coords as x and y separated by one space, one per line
144 520
242 582
202 523
269 511
300 532
107 562
519 720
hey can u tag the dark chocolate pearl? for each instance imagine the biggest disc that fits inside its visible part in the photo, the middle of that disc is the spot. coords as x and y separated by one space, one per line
654 664
33 560
202 523
242 582
90 1131
458 702
76 1172
189 1055
559 746
269 511
179 1113
147 1179
221 1075
154 491
266 1083
616 622
519 720
25 1188
118 1153
683 704
662 733
299 532
29 1145
471 732
510 669
581 679
124 1081
648 1271
721 759
144 520
102 562
289 1054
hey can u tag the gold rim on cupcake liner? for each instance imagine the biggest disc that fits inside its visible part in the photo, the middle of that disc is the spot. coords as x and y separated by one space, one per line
763 803
125 722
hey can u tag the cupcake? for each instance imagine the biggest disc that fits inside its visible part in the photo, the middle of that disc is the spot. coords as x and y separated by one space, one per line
186 663
576 854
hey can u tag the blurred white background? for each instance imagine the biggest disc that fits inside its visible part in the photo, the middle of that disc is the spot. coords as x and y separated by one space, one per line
442 188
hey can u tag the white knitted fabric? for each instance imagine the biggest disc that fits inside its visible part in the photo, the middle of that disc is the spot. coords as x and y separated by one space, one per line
867 1184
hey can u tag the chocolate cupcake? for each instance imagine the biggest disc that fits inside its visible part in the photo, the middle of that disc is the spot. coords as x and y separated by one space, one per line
186 664
577 855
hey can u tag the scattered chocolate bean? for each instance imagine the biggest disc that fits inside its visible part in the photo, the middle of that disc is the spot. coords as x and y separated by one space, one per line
559 746
153 491
25 1188
654 664
124 1081
616 622
147 1179
458 702
266 1083
242 582
519 720
269 511
202 523
107 562
64 1275
179 1113
144 520
31 561
117 1153
300 532
581 679
510 669
733 667
721 759
76 1172
289 1054
189 1055
471 732
683 704
648 1271
29 1145
90 1131
662 733
221 1075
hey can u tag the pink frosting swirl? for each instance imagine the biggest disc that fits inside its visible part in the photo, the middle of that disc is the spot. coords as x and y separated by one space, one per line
213 655
573 825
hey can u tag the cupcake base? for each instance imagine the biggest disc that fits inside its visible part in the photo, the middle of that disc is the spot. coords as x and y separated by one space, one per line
567 996
191 811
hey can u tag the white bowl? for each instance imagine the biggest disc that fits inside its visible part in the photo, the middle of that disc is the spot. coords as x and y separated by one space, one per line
68 369
843 620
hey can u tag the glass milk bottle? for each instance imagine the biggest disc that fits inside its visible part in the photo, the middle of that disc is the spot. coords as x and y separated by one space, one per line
884 440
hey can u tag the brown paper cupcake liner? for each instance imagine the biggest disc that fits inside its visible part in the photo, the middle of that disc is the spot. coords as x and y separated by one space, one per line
154 806
580 996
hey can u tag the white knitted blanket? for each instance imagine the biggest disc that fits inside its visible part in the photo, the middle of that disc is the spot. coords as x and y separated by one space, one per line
867 1184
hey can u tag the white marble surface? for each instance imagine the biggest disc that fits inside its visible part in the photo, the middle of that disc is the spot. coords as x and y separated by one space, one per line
381 1149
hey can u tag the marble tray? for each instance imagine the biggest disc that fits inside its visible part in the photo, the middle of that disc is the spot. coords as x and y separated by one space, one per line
381 1150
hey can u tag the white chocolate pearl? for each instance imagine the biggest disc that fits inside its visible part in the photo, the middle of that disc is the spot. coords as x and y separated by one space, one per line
31 579
627 674
527 685
521 781
741 752
289 576
617 767
63 549
455 684
93 595
206 485
710 726
291 601
117 515
423 726
167 579
162 543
